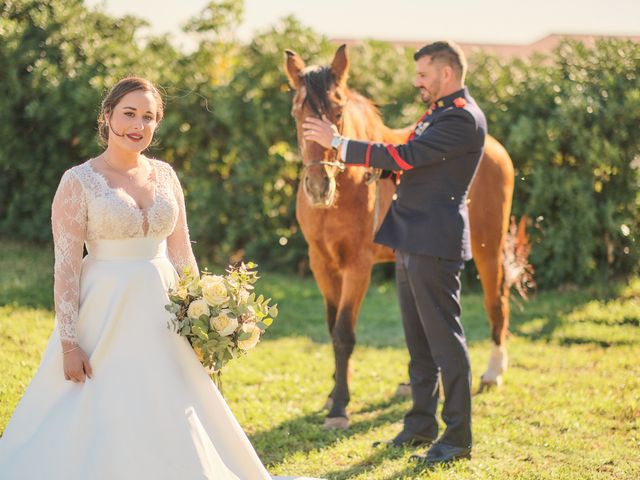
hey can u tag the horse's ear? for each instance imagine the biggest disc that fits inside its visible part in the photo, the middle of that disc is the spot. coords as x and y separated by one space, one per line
293 65
340 65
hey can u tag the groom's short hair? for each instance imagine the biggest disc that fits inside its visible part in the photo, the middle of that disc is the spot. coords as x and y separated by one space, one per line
449 53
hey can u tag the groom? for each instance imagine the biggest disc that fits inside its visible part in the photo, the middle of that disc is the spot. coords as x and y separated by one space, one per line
428 227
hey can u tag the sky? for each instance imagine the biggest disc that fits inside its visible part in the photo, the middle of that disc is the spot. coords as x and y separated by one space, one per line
485 21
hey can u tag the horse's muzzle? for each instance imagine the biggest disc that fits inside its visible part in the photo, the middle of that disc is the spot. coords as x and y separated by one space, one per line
320 189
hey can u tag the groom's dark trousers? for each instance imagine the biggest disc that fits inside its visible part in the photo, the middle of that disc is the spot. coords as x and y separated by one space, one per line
429 293
428 227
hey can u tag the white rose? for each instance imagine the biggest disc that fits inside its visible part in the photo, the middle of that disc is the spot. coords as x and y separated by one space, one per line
197 308
251 342
214 291
225 323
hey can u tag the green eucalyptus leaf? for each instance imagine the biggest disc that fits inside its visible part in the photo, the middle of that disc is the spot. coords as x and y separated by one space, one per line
244 336
199 332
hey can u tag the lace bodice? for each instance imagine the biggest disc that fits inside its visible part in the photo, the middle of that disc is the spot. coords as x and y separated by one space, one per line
86 208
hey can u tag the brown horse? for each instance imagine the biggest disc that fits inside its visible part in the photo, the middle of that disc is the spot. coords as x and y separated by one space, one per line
337 208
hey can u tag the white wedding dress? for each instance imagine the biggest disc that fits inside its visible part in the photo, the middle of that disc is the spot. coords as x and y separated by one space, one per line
150 411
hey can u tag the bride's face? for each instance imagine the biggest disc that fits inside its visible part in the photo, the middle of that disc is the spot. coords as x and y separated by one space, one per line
133 121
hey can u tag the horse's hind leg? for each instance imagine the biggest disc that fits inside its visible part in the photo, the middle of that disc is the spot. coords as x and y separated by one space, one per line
496 303
354 286
490 203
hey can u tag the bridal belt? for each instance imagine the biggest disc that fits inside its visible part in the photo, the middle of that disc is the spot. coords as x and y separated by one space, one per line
127 249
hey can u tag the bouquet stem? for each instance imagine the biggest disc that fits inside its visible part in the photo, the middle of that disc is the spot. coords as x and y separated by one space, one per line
217 380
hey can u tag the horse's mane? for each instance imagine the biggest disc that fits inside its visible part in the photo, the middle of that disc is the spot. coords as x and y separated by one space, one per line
318 81
362 115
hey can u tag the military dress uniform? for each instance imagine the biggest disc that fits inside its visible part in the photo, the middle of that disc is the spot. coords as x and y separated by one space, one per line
428 227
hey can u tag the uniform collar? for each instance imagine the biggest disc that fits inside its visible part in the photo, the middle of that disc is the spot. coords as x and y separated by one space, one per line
457 99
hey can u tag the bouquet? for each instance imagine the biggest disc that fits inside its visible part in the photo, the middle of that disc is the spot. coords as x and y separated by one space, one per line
220 315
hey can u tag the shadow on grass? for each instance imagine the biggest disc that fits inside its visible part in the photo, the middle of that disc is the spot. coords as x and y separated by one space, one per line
306 433
570 341
547 317
633 321
381 454
412 470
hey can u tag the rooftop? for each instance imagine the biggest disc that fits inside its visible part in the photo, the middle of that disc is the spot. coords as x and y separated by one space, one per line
544 45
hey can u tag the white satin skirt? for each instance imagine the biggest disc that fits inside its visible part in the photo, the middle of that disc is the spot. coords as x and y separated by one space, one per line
150 411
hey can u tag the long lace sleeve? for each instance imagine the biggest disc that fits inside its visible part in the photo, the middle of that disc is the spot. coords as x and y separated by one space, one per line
179 243
69 226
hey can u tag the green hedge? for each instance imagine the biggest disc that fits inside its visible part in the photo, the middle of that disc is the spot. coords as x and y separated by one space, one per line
568 120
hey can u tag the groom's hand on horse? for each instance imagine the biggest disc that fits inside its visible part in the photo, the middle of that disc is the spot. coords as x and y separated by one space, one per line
319 131
76 366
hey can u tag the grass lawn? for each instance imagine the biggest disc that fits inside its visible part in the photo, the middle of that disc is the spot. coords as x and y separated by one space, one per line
569 408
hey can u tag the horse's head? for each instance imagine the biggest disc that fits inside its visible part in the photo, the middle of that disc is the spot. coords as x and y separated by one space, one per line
320 91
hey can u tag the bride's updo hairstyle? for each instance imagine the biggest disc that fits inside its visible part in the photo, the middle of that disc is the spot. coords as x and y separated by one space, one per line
119 90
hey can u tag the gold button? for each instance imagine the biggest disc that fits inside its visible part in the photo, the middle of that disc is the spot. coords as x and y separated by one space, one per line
395 196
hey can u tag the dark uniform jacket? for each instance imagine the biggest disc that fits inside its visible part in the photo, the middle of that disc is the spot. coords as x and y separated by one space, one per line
429 213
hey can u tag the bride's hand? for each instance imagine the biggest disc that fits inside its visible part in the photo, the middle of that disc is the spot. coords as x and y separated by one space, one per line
76 364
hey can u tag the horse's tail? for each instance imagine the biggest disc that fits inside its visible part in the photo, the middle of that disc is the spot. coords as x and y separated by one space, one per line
518 272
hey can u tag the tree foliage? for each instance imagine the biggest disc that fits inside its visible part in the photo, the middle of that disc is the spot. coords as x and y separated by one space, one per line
568 121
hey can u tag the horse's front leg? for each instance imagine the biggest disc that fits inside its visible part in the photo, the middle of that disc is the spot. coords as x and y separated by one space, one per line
355 282
331 314
329 281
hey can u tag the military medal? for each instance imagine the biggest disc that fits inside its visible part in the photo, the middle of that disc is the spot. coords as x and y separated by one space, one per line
422 126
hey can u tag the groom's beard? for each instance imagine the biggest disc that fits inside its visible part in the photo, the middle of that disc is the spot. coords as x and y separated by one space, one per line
430 96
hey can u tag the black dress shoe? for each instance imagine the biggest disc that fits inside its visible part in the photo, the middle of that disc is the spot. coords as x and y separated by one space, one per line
406 439
442 453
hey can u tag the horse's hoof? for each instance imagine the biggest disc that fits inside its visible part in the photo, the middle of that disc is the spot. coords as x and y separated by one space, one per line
328 405
336 423
488 384
403 390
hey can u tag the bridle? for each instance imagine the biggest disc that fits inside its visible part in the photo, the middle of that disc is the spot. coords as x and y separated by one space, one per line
317 81
329 163
319 109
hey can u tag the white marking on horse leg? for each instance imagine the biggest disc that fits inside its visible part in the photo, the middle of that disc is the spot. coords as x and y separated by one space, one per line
336 423
498 362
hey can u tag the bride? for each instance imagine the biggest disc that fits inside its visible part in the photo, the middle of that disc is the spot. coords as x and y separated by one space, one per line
118 395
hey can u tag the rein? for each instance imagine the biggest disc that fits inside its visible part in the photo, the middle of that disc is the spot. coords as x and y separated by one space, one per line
337 164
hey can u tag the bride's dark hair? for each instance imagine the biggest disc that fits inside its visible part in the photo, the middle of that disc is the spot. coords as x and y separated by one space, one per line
119 90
